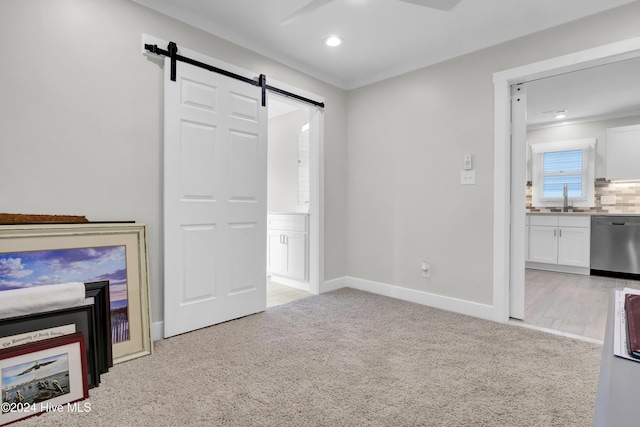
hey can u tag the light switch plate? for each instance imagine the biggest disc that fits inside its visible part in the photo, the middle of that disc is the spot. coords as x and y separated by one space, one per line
468 177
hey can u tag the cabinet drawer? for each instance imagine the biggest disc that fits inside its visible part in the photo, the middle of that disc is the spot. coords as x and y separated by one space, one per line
544 220
287 222
574 221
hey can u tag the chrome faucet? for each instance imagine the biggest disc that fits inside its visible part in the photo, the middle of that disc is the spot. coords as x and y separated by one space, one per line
565 195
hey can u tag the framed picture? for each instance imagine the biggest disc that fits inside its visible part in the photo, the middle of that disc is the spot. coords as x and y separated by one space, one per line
41 375
46 254
40 326
99 291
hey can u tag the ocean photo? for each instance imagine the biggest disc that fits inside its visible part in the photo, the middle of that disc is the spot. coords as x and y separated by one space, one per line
50 267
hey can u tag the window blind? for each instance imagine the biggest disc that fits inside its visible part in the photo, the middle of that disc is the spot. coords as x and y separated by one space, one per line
558 163
560 168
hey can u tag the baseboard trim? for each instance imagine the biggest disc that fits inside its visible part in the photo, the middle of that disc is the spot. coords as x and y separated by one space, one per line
332 285
585 271
157 331
483 311
456 305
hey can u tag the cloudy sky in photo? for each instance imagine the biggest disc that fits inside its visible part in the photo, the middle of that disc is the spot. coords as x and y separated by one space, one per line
39 268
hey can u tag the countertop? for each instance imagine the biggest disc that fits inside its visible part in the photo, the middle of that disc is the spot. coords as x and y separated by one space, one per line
582 213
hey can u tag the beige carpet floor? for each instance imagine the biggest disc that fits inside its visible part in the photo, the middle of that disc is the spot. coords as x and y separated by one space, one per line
350 358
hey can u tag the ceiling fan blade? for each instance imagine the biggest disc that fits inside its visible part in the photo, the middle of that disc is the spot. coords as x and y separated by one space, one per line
435 4
310 7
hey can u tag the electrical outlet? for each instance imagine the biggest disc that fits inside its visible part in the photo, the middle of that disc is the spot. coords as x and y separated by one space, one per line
426 270
608 200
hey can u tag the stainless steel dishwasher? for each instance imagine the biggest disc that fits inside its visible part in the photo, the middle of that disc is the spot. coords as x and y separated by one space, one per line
615 245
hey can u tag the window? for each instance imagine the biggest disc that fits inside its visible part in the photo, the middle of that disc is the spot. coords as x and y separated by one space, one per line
556 164
304 170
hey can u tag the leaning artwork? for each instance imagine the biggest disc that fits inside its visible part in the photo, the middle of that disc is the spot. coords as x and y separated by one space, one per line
49 267
45 254
37 376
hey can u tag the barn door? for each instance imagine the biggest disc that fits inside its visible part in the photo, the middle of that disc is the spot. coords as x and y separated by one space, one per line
215 189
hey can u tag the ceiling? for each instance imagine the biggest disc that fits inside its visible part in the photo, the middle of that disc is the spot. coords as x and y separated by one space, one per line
597 93
382 38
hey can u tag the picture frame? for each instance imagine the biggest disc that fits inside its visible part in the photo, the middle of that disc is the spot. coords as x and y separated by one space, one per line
90 248
99 291
39 326
42 375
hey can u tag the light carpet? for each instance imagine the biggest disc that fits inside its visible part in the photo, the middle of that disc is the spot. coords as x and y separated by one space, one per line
350 358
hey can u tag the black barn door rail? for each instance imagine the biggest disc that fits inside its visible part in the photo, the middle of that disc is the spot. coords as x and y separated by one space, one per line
261 81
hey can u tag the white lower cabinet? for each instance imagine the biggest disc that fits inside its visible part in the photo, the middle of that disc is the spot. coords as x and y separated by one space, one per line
287 245
574 246
561 240
543 244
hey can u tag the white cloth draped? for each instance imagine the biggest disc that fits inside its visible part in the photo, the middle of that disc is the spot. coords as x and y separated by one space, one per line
19 302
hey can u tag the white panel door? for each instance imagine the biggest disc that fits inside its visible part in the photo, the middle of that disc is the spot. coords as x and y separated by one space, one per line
215 174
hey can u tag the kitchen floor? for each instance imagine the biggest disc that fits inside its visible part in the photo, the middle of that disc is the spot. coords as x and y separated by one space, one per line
278 294
570 303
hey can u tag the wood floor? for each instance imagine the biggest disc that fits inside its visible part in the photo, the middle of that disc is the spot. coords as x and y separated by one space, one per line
278 294
570 303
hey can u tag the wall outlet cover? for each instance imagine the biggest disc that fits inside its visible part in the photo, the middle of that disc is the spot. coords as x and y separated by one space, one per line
426 269
608 200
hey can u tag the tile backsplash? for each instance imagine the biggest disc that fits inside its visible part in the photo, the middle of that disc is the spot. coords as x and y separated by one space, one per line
625 197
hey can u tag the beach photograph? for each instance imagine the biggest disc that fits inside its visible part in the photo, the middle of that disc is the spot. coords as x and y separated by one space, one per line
50 267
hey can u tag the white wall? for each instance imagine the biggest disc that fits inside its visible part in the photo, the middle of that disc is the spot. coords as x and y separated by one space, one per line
282 179
81 117
407 138
597 130
81 133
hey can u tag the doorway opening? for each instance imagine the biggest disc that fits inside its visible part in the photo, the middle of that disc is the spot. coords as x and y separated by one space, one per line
560 294
228 272
293 201
509 215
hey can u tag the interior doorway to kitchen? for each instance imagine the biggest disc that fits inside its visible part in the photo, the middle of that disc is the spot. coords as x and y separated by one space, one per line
509 212
575 106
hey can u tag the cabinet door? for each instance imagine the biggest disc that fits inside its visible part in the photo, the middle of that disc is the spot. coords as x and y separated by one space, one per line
275 252
543 244
574 246
623 151
296 255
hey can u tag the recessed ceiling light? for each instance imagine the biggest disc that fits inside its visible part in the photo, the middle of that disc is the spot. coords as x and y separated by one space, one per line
561 114
558 114
333 41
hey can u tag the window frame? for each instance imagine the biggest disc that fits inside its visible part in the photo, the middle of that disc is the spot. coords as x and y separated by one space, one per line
587 146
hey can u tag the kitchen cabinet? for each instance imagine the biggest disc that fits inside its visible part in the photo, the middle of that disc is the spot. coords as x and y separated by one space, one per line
287 245
559 241
623 152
